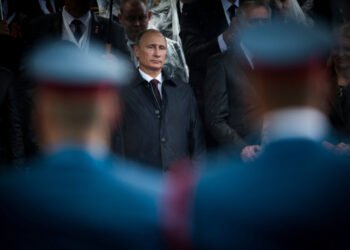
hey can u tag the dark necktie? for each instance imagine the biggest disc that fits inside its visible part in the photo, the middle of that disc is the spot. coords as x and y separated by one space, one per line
78 29
232 11
154 84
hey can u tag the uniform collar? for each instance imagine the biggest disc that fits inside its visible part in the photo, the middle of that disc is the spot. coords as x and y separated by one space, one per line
166 79
296 123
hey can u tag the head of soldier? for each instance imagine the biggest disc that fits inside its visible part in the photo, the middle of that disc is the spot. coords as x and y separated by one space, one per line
134 16
76 103
289 66
252 12
151 50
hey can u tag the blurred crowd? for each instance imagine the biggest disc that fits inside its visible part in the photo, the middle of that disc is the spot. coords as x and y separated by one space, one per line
210 124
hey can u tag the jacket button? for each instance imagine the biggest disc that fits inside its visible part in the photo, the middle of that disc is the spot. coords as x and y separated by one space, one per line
157 112
163 139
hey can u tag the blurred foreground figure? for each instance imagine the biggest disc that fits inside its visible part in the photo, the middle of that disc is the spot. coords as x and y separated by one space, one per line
295 195
77 196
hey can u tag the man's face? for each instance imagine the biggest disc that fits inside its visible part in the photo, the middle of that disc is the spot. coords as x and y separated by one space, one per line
151 52
134 17
78 4
341 55
256 16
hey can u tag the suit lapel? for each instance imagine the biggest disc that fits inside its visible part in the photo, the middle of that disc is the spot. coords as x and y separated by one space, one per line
97 30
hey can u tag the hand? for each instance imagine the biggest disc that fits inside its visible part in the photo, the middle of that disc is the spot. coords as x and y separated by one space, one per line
231 32
250 153
4 29
340 148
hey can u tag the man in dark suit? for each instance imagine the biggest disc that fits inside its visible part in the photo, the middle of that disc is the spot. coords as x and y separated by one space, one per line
228 115
206 29
161 123
77 24
76 195
294 195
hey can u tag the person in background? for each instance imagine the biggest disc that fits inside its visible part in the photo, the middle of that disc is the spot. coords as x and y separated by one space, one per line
206 29
76 195
77 24
228 116
161 124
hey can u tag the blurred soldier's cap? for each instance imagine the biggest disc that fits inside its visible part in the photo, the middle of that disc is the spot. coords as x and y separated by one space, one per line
63 64
287 47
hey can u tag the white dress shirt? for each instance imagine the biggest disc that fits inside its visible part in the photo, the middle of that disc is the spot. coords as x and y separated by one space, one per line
226 4
148 78
307 123
67 29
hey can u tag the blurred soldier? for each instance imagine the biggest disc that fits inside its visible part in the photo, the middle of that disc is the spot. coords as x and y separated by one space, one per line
135 16
295 195
161 123
76 196
77 24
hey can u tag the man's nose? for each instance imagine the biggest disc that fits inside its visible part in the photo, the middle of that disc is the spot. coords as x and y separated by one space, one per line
156 51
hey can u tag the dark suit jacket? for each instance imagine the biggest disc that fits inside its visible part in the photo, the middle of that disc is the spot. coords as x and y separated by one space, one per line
11 136
159 135
294 196
71 200
339 114
201 24
49 27
31 8
228 114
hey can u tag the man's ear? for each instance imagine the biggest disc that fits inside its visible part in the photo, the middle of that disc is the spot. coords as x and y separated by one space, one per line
136 51
149 15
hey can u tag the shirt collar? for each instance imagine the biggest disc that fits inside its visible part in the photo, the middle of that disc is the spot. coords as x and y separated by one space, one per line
297 123
85 19
148 78
227 4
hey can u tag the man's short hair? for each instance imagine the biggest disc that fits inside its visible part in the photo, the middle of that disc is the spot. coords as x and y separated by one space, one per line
143 33
123 2
249 4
